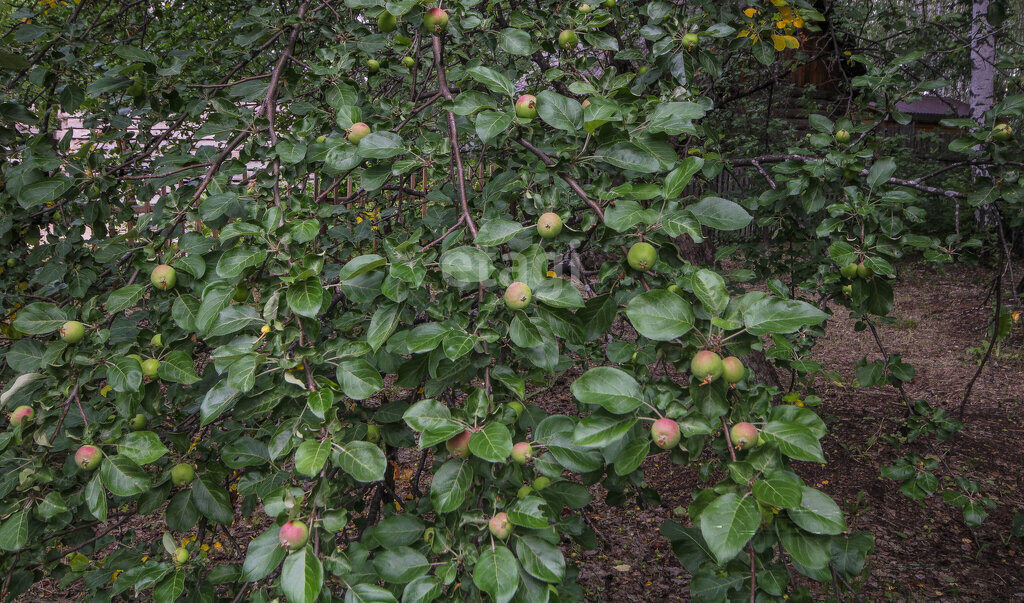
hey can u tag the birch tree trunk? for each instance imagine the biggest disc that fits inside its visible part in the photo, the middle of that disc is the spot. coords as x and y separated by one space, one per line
983 56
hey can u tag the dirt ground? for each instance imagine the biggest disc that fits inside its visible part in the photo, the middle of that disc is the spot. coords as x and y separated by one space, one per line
923 551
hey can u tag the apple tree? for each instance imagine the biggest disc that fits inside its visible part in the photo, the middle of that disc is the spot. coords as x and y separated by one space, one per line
299 272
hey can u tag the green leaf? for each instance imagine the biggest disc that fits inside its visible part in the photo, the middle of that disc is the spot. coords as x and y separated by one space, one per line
170 588
774 315
818 513
601 431
96 498
142 447
383 325
124 298
422 590
320 401
359 379
310 457
794 440
123 477
721 214
380 145
362 460
515 41
709 287
361 265
679 178
629 156
40 318
497 232
528 513
492 443
466 264
305 297
212 500
675 118
495 81
559 112
778 490
625 215
237 260
302 576
491 123
660 315
14 532
125 374
177 367
540 558
43 191
497 574
216 401
558 293
449 486
263 555
400 565
728 523
881 171
612 389
399 530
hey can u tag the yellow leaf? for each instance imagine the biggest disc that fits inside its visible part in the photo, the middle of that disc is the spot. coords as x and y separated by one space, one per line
750 12
779 42
791 42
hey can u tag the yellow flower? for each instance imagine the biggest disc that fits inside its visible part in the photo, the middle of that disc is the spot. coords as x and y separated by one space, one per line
265 329
116 574
145 558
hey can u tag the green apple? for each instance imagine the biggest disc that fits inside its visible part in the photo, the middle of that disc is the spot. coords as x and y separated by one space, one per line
150 366
138 422
526 106
72 331
357 132
182 474
642 256
386 22
163 277
517 296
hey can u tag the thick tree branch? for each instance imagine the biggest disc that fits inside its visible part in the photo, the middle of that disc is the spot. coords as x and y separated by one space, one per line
453 136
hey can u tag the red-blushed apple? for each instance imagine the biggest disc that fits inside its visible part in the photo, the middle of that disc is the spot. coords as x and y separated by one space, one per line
549 225
744 435
22 414
706 364
357 132
72 331
864 272
499 526
88 457
517 296
641 256
665 433
435 20
163 277
526 106
842 136
180 556
458 446
293 535
522 453
732 370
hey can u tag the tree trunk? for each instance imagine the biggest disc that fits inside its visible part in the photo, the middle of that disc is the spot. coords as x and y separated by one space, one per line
983 56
